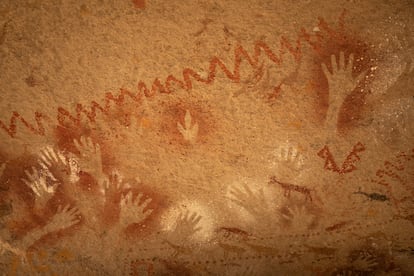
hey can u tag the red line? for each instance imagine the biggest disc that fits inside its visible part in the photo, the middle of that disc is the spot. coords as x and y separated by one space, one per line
188 75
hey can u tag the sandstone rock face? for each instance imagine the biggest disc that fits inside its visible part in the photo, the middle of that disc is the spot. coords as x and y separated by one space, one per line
206 137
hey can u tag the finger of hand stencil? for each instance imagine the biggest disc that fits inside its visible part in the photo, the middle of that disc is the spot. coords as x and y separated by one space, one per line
192 217
73 222
89 143
248 190
138 198
123 201
289 211
148 212
46 173
45 160
32 186
334 65
128 198
65 209
113 177
104 183
145 203
180 128
32 176
239 202
62 158
43 164
74 212
98 148
83 142
237 193
295 154
187 119
341 61
197 229
77 144
42 184
186 214
52 188
350 66
121 184
197 220
27 183
53 154
287 217
45 156
326 71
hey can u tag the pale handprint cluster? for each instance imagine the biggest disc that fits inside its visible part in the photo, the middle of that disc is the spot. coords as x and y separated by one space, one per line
296 215
341 84
43 181
57 169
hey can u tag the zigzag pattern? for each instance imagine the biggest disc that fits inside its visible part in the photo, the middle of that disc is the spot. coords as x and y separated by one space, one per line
186 83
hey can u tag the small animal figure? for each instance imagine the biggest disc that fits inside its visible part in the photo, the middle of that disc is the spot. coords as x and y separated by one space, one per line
373 196
287 187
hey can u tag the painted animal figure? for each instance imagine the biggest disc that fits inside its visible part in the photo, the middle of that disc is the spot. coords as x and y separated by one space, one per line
373 196
288 188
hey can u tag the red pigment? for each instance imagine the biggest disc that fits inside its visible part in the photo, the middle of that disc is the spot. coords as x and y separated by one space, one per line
331 41
174 113
139 4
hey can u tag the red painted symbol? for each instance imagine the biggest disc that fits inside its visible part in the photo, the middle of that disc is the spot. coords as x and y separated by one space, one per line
348 165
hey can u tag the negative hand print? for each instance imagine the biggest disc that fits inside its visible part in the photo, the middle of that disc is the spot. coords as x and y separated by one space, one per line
65 217
341 82
55 164
112 184
287 161
37 182
364 263
298 217
254 203
49 157
189 131
132 211
187 224
90 156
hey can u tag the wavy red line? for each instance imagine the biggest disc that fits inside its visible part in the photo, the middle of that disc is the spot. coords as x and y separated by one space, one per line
188 76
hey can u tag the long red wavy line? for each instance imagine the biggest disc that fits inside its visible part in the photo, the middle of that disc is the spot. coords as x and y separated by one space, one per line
189 75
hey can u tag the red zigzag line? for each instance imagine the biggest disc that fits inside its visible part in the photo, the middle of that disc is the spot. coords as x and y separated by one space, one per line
157 87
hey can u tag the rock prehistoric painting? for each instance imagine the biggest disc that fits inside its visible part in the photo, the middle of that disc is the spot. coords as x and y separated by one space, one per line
206 137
